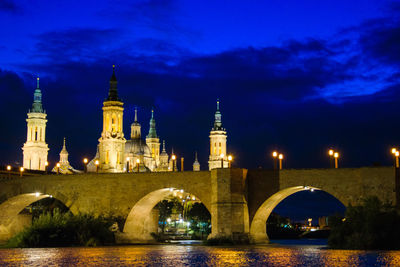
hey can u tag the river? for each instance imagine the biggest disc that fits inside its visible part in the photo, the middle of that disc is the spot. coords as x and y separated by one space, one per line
197 255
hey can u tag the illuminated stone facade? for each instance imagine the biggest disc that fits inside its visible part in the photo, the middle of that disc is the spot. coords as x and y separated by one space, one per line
112 140
115 153
218 143
65 167
35 149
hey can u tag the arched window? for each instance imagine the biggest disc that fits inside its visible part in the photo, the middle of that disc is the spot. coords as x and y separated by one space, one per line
36 134
40 138
114 123
107 126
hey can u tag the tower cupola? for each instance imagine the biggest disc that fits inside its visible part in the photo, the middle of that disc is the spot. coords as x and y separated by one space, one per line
37 99
113 92
135 128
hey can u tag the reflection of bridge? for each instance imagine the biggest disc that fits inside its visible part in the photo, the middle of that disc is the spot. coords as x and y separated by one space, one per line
239 200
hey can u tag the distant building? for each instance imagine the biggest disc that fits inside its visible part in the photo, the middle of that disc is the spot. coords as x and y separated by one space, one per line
218 157
35 149
65 167
196 164
115 153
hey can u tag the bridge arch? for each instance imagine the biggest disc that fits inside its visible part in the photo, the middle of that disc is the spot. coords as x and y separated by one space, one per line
140 222
258 231
10 222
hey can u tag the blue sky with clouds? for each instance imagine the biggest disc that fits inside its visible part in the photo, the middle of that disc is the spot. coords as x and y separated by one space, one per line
298 76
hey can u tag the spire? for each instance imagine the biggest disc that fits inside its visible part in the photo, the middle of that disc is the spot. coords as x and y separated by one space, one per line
152 129
135 114
64 154
163 146
196 164
113 93
218 119
37 99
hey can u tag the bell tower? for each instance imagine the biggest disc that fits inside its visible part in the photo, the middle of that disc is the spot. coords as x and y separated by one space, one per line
112 141
218 158
153 141
35 149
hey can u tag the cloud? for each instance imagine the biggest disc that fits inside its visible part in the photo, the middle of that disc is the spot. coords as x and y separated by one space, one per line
9 6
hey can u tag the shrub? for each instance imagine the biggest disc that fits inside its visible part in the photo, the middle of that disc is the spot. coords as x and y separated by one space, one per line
373 225
55 229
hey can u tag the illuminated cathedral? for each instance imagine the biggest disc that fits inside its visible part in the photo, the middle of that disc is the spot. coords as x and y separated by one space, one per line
114 152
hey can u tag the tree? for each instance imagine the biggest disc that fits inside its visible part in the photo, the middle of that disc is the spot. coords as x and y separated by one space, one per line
372 225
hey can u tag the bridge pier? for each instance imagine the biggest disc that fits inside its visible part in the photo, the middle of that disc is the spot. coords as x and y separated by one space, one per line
229 216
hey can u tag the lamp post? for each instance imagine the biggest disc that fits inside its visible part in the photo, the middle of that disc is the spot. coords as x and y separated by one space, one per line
336 156
97 165
85 162
127 164
397 158
394 150
222 160
280 161
21 170
230 158
9 171
182 166
274 156
58 167
331 152
173 162
137 164
46 164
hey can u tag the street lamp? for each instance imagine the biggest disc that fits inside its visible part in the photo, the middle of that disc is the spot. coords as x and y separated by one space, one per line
97 165
397 158
127 164
331 152
222 160
173 162
58 167
394 150
274 156
21 170
85 162
336 156
9 170
230 158
280 161
182 166
137 164
45 166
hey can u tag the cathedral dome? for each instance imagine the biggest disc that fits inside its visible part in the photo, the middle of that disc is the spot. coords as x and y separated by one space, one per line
137 146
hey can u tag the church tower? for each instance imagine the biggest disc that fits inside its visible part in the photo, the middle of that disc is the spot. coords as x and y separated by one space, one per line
35 149
163 159
217 143
135 128
152 140
112 141
196 164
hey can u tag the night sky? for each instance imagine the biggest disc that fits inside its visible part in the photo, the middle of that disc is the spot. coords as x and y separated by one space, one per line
296 76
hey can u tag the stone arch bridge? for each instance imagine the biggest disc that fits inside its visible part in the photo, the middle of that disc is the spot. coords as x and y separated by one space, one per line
239 200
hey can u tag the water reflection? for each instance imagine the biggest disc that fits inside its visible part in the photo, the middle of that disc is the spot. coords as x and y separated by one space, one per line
195 255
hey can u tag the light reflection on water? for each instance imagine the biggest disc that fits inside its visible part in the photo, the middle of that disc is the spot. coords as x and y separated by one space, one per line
180 255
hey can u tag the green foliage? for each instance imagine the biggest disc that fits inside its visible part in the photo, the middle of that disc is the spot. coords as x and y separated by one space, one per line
56 229
373 225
